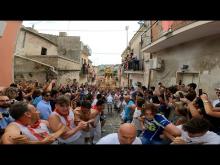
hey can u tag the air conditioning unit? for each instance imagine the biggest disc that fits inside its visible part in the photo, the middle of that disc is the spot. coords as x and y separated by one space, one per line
155 63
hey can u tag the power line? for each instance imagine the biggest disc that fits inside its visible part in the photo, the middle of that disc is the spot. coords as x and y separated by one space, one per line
85 30
105 53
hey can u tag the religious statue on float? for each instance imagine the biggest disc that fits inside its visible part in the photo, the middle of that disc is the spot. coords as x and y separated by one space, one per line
108 72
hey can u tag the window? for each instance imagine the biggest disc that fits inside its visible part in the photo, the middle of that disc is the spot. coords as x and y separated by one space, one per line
2 27
43 51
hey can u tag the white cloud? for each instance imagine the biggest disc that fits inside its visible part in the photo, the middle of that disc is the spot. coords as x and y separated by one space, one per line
107 39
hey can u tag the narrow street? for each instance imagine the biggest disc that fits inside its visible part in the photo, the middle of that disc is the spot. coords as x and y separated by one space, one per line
112 122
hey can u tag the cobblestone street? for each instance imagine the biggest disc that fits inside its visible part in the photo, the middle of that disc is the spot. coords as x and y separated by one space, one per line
112 122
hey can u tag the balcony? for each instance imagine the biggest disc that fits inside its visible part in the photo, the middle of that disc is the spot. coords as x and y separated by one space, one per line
84 70
135 66
180 32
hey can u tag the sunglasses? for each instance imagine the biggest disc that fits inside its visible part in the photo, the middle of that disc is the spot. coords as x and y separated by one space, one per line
4 100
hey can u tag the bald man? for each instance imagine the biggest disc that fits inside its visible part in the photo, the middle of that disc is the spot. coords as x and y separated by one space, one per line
126 135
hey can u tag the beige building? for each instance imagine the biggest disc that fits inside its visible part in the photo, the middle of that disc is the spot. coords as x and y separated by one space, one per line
134 70
186 51
122 76
84 64
47 57
91 73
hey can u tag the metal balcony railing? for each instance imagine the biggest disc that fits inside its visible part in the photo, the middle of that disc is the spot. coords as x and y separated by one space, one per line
133 65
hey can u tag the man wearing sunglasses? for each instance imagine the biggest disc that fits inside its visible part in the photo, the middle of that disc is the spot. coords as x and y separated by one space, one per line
44 106
215 102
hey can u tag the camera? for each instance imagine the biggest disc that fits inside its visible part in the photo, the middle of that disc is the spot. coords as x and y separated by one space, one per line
199 103
200 92
5 114
2 131
181 95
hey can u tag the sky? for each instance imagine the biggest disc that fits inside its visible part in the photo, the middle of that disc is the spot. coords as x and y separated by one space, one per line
107 39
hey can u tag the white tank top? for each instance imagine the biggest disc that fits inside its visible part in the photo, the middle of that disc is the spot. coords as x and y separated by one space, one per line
41 130
72 125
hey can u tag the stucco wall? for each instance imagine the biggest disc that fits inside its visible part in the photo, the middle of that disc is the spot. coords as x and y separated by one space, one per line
69 46
201 55
30 44
7 48
136 78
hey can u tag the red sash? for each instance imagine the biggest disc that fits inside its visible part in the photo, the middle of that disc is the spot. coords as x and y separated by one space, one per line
66 118
39 136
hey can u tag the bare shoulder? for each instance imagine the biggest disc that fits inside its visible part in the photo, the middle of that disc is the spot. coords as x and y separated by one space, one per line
94 113
45 122
53 116
12 128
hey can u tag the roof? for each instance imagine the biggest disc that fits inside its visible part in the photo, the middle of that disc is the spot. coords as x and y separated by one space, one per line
35 61
37 34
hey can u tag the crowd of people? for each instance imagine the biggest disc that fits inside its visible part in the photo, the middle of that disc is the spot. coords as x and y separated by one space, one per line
33 113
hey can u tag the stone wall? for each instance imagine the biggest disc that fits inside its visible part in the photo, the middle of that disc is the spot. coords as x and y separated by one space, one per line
65 77
31 71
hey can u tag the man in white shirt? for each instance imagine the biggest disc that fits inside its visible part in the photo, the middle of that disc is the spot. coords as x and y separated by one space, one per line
196 131
215 102
98 97
126 135
109 102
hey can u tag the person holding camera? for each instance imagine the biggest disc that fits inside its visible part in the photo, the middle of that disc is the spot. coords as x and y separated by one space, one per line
201 107
217 101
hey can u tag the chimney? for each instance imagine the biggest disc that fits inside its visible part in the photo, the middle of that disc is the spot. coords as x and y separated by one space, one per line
62 34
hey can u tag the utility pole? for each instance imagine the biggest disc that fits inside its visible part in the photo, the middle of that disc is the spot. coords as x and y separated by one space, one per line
126 28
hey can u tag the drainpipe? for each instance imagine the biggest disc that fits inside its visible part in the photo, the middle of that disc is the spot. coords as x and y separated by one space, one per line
149 76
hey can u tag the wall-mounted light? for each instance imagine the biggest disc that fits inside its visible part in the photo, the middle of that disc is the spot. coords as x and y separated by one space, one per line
184 67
